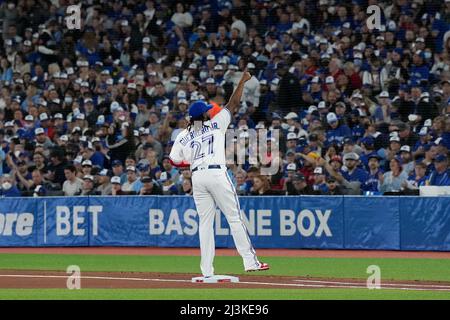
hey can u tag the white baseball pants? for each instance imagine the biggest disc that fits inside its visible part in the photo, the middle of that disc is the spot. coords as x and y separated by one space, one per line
211 188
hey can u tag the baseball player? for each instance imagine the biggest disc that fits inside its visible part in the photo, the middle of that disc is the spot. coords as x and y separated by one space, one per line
202 146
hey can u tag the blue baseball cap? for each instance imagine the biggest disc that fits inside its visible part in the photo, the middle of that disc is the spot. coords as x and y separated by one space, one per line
116 163
198 108
368 141
440 158
373 155
143 167
398 51
348 140
300 148
275 116
302 141
398 159
414 84
404 87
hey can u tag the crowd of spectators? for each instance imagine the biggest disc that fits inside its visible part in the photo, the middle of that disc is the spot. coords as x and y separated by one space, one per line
95 111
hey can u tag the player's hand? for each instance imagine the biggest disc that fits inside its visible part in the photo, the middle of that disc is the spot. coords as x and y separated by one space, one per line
246 76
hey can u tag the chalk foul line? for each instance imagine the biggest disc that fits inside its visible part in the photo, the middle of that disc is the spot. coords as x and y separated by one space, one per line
298 282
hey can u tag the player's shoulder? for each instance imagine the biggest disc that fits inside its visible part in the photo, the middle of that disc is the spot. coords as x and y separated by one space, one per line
181 135
224 113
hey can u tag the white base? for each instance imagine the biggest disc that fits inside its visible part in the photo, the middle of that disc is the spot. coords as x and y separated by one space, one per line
215 279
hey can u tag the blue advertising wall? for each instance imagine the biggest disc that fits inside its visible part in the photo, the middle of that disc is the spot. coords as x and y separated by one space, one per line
343 222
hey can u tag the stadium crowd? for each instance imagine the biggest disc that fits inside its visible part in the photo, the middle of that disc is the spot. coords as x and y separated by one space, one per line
95 111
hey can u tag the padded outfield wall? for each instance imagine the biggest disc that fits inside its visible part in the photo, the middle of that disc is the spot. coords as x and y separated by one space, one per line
318 222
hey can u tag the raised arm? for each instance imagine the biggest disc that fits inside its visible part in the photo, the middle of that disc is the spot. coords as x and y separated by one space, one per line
235 98
322 162
27 183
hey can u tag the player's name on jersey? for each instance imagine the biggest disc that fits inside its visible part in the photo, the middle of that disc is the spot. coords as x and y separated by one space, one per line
193 134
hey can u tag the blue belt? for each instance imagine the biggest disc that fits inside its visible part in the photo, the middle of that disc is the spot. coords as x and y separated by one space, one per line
211 166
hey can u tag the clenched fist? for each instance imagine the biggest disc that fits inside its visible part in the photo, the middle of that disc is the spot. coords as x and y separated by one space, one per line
246 76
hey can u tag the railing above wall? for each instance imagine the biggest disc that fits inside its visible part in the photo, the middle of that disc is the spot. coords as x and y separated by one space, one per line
339 222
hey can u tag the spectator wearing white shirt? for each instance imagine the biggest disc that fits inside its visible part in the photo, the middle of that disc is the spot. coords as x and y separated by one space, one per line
181 18
392 181
240 25
300 24
73 184
133 183
408 162
252 90
252 87
104 184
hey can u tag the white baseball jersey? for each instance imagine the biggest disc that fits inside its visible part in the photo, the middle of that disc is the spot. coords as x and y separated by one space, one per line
213 188
205 145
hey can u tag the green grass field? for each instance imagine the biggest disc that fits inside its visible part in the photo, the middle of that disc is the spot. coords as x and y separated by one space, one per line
391 269
219 294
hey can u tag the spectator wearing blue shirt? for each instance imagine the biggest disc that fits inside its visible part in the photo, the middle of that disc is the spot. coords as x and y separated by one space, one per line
8 189
168 167
418 178
367 146
383 110
430 154
419 147
320 186
27 131
441 147
167 184
291 142
350 176
267 97
419 71
252 172
338 131
358 128
32 56
2 158
97 158
39 191
315 89
6 71
117 169
373 179
446 135
284 24
351 172
441 175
